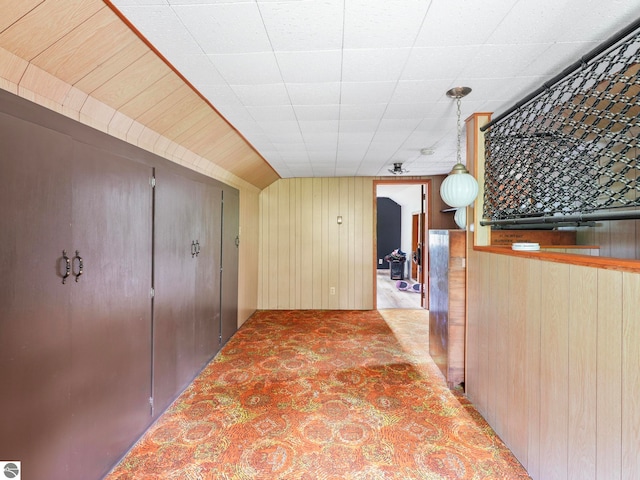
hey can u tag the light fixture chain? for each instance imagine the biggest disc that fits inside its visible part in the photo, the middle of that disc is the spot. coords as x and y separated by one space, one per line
459 130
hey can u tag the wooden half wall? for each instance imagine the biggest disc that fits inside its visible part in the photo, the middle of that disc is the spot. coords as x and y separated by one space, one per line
552 363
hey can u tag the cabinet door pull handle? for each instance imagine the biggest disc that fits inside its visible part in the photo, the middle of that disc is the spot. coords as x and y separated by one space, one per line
197 247
193 248
80 265
67 266
237 240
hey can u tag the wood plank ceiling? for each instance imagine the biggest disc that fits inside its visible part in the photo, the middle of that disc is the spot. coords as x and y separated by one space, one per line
88 46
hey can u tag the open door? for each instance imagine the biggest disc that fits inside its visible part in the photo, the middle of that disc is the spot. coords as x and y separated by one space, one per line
412 196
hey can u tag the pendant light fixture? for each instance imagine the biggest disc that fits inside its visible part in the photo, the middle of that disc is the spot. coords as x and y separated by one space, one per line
459 189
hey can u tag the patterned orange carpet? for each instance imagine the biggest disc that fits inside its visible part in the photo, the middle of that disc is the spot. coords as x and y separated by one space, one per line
319 395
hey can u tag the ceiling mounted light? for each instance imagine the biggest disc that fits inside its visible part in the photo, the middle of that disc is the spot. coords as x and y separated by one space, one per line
397 169
459 189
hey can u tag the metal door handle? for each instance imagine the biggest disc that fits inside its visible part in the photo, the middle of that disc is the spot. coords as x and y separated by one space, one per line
237 240
193 248
197 247
80 265
67 266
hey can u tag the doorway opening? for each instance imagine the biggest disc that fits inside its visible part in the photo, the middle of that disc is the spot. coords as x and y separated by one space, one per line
400 213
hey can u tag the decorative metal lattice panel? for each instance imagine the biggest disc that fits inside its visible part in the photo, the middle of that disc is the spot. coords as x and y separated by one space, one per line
573 148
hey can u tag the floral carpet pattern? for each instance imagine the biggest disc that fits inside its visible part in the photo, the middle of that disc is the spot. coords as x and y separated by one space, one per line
319 395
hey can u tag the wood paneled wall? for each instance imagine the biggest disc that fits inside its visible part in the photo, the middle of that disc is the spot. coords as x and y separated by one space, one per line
248 271
616 238
305 254
552 359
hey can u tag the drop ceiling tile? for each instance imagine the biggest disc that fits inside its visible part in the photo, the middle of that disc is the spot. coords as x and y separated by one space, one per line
370 113
410 110
300 26
456 23
355 141
359 126
358 93
216 27
198 69
556 58
382 24
421 91
319 126
119 3
322 171
398 125
538 22
200 2
314 93
262 95
282 129
321 157
320 140
431 63
161 26
509 60
599 21
311 66
374 65
317 112
222 96
247 68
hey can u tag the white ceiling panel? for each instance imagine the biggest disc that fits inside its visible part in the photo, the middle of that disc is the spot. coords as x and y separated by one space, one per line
314 93
225 28
379 65
318 66
369 114
303 25
200 70
383 23
262 95
365 93
248 68
317 112
336 87
161 23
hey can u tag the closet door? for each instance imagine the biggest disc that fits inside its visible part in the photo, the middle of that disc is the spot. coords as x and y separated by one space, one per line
35 357
230 243
207 293
175 220
111 307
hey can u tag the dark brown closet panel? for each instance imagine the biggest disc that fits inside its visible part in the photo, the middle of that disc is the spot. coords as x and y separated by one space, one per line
35 325
186 272
84 361
230 243
207 294
78 355
111 314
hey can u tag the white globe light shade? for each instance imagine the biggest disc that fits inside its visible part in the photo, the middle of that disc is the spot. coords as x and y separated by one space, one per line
460 217
459 189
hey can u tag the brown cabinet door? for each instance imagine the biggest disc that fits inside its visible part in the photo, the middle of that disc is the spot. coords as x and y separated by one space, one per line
207 292
186 319
174 283
35 356
111 307
230 243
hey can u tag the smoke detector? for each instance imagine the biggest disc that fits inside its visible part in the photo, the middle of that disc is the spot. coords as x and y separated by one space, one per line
397 169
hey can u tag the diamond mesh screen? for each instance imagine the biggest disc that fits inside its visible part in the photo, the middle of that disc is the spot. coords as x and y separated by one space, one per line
573 148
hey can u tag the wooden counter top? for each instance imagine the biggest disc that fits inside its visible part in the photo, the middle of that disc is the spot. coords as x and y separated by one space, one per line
619 264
